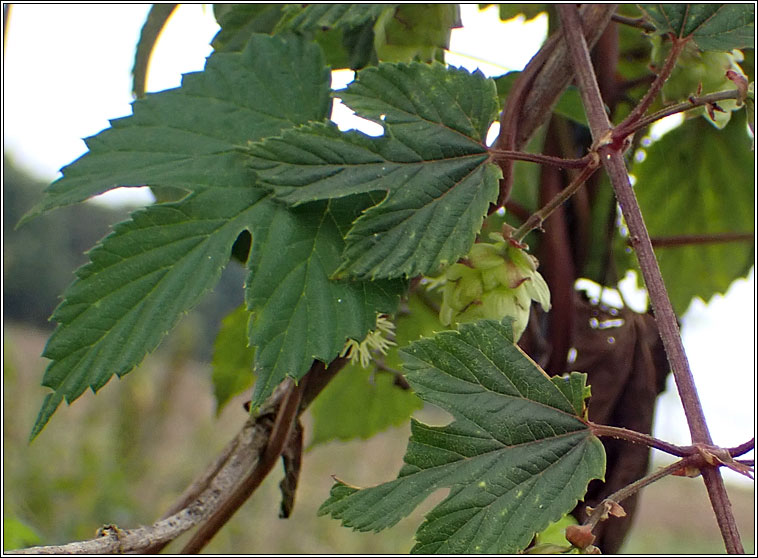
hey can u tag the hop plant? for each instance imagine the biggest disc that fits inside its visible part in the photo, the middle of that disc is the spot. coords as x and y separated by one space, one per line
493 281
703 72
375 341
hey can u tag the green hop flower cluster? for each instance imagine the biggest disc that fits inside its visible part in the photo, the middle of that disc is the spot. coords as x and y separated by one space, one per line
494 281
374 342
700 73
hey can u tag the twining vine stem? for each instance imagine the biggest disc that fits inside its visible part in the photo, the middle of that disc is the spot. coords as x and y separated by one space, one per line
600 511
501 154
691 103
638 438
280 434
639 111
536 219
608 142
602 132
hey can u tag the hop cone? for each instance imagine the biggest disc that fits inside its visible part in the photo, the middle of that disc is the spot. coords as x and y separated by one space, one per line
494 281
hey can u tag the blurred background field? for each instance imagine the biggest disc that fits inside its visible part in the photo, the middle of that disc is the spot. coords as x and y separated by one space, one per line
124 455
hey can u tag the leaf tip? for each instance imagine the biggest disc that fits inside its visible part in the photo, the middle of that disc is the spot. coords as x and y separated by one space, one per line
49 406
35 211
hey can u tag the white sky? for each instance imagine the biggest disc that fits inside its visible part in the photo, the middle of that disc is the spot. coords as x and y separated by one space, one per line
67 71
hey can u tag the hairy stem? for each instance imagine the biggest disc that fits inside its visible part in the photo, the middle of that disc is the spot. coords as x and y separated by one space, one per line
722 507
611 156
664 312
600 512
504 154
638 112
601 430
616 168
536 219
691 103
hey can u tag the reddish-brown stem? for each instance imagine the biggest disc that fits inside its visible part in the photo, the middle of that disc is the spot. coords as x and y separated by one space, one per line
601 430
633 22
504 154
612 159
691 103
722 507
280 433
599 513
664 312
677 45
536 219
742 449
690 239
611 156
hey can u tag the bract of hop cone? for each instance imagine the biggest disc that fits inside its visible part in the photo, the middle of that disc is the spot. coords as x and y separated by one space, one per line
494 280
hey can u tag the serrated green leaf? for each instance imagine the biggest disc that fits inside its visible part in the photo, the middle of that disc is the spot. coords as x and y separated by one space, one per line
697 180
315 17
529 11
140 280
239 21
300 314
574 387
712 26
157 18
233 359
451 101
415 32
516 458
158 265
431 161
